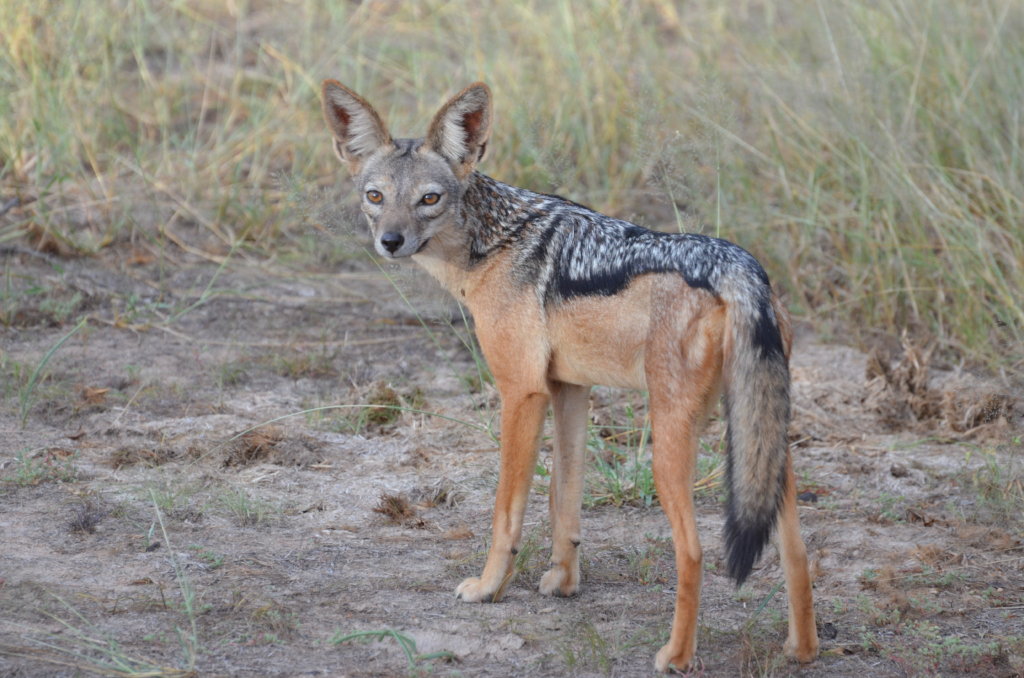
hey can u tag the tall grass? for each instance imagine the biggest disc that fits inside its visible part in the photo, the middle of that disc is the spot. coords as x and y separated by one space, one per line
869 152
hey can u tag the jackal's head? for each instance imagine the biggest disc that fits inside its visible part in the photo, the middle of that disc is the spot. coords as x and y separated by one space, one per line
410 189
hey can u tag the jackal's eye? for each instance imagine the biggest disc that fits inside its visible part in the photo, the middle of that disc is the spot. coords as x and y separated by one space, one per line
430 199
376 197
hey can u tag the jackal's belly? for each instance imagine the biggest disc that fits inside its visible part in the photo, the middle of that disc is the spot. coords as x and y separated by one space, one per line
599 340
590 370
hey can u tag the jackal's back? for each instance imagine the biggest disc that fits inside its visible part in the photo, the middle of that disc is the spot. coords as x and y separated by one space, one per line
567 250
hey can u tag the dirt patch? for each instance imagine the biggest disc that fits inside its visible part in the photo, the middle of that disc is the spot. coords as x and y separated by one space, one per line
294 482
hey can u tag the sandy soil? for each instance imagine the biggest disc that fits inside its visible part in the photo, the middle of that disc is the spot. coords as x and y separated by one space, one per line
176 496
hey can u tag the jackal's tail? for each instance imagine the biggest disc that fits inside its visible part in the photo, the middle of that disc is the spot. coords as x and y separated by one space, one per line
756 396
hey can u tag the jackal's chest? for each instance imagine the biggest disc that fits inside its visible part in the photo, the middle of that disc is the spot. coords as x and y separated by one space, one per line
599 340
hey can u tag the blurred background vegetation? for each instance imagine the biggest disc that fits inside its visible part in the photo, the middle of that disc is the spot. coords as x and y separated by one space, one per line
868 151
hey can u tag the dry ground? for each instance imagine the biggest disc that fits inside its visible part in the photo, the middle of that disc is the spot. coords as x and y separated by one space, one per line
151 517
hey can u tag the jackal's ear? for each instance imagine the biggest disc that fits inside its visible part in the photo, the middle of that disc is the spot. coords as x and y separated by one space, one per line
461 128
358 130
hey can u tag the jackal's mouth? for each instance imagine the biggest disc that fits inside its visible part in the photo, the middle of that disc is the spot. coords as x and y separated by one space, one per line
422 246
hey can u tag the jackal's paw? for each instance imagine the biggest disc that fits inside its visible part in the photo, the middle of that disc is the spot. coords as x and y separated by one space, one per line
669 660
473 590
803 652
560 581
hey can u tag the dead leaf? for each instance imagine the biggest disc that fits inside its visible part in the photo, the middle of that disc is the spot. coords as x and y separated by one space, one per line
93 396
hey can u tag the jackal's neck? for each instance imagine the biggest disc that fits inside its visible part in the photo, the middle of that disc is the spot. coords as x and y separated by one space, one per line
495 214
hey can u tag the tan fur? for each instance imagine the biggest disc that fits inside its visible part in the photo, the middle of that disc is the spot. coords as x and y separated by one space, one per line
658 333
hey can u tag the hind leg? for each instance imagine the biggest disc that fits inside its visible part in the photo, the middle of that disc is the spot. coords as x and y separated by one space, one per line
673 478
802 642
683 389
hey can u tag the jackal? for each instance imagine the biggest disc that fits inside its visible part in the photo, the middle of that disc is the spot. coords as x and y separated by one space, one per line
564 298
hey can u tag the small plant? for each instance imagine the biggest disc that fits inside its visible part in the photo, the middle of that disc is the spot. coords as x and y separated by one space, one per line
877 615
999 486
645 562
892 510
60 308
408 645
624 476
188 637
623 482
933 578
85 517
926 649
174 500
443 493
12 373
528 558
231 373
396 508
129 455
761 655
710 469
383 407
923 605
54 465
869 577
587 650
248 510
276 621
27 392
26 300
303 365
211 559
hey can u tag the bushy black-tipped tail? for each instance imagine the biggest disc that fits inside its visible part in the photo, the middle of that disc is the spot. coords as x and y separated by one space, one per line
756 385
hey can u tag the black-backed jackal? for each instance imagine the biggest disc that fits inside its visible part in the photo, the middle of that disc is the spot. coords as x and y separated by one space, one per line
564 298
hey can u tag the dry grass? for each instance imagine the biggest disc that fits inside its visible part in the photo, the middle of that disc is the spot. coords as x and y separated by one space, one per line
869 152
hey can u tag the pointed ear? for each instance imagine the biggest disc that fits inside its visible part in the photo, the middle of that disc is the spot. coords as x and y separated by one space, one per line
358 130
461 128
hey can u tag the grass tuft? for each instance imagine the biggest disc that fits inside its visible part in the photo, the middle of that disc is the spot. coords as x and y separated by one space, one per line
27 392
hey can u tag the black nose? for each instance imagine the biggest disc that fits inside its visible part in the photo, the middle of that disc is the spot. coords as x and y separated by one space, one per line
392 241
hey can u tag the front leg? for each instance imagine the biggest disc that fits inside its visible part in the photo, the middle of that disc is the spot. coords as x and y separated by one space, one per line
566 492
522 415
